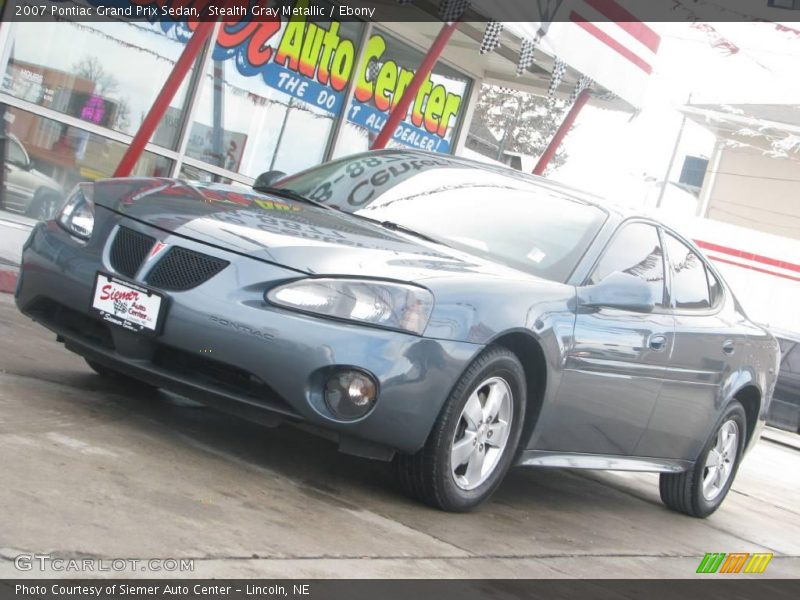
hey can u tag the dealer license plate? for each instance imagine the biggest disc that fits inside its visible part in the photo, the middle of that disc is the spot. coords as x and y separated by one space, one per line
127 304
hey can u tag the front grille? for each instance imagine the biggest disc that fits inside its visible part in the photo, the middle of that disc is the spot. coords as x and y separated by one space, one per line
231 379
183 269
129 250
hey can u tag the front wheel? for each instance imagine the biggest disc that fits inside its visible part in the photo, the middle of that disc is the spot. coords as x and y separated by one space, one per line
473 443
700 491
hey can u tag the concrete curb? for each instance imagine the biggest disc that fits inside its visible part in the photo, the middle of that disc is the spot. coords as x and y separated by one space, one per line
14 230
784 438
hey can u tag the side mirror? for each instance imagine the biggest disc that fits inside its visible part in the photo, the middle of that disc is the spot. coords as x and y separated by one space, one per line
619 290
266 179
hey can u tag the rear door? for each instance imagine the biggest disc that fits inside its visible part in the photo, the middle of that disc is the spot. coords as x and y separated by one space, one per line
709 342
784 411
613 371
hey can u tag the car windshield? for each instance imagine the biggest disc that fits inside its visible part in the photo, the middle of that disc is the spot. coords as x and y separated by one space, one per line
486 212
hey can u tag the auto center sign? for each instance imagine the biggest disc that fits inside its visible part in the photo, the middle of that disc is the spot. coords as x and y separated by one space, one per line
314 63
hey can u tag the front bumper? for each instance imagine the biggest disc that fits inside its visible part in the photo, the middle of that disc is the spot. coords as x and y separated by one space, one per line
223 345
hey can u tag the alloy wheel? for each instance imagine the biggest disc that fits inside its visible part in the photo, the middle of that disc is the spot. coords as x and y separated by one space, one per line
721 460
482 433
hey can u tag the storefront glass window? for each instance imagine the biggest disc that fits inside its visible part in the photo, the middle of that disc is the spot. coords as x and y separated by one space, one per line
106 74
191 173
45 159
388 67
271 94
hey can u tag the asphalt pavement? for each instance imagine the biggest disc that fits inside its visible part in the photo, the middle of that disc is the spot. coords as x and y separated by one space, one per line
91 469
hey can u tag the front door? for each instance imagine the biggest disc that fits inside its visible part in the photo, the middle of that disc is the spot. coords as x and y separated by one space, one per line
613 370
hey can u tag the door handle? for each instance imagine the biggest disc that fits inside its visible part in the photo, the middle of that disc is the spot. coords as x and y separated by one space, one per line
728 347
657 342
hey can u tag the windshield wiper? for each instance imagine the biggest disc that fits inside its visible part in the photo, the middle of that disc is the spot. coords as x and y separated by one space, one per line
392 226
290 195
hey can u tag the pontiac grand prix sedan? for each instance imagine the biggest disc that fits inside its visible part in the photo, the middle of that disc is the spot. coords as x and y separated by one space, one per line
453 317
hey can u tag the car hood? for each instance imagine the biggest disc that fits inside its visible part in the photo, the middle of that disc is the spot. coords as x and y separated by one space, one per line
293 234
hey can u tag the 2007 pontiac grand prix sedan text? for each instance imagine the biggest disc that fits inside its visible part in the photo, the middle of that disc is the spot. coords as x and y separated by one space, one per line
455 317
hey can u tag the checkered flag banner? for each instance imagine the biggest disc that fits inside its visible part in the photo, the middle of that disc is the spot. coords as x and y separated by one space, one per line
451 10
526 55
491 37
584 81
373 68
559 68
607 96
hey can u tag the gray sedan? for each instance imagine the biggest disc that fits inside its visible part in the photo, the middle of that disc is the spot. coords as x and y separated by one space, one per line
453 317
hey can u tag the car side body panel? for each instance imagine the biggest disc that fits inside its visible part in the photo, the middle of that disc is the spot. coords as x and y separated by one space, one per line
621 400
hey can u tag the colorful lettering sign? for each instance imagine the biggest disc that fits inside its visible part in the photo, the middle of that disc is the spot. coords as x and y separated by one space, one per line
315 64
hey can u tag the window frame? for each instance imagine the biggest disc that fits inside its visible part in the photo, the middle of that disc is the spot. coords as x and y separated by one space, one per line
12 141
665 308
795 347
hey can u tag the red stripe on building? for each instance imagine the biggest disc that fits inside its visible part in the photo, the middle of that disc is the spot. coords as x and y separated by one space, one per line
773 262
610 42
752 268
628 22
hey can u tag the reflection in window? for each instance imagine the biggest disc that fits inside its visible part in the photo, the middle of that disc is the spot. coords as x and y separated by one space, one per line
85 70
433 116
191 173
260 109
635 250
60 157
689 282
500 217
792 360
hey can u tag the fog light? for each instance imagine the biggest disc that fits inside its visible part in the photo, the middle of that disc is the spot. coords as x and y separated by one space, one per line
350 394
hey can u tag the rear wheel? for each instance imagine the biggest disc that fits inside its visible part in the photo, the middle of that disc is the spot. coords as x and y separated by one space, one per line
700 491
473 443
116 376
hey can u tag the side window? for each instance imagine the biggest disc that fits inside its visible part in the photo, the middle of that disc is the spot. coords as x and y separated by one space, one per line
16 155
689 280
636 250
792 360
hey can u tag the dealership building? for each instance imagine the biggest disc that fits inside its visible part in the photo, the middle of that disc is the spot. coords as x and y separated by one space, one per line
272 95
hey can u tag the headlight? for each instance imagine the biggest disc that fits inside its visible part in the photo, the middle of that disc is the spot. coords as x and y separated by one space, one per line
77 216
381 303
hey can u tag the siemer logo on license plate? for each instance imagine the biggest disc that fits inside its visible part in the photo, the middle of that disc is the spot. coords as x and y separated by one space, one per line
126 304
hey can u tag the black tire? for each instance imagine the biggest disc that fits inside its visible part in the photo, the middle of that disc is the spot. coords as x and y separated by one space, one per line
117 377
427 475
683 492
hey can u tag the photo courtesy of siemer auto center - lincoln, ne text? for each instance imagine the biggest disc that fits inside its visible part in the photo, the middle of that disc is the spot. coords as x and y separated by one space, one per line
387 298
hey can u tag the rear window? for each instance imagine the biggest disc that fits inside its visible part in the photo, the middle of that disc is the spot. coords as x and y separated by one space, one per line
690 282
